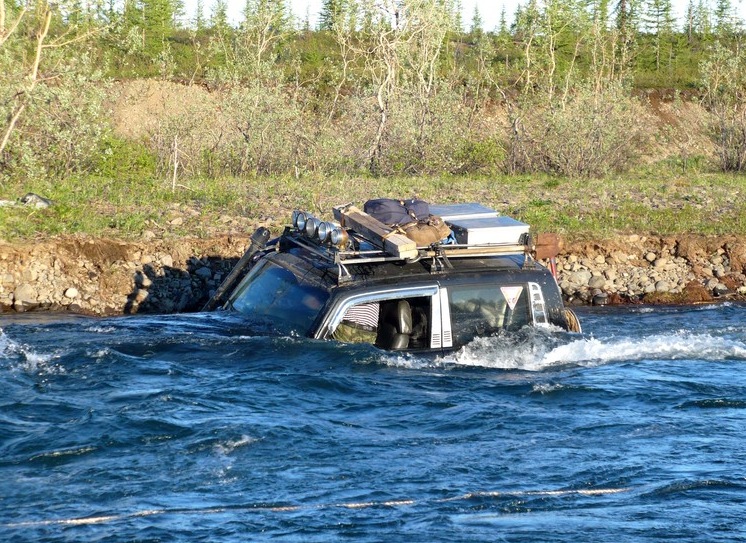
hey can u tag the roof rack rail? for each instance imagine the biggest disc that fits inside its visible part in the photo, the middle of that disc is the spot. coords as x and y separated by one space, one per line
391 245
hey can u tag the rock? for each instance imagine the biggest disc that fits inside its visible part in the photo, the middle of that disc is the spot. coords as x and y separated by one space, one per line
720 290
600 299
141 294
662 286
580 277
25 293
25 298
178 221
204 272
596 281
650 257
71 293
36 201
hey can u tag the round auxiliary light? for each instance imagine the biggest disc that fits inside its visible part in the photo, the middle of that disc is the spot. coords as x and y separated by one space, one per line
300 221
294 220
339 237
325 231
312 226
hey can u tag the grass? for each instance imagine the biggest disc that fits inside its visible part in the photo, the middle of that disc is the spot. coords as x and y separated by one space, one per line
655 200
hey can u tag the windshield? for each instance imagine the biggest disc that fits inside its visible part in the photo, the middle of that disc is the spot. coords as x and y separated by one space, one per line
272 296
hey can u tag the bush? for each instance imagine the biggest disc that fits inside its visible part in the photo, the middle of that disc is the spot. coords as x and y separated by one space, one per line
589 134
724 85
118 159
60 131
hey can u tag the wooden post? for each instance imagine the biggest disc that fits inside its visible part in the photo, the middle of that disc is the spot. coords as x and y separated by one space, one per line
376 232
176 163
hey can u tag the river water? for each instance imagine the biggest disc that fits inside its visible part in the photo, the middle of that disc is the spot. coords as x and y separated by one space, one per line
189 428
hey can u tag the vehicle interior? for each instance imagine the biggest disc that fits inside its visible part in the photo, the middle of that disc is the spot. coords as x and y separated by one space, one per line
404 324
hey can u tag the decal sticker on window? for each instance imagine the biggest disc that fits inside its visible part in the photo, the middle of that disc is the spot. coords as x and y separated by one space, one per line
511 295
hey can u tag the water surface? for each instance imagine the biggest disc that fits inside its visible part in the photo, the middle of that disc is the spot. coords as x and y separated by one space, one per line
190 428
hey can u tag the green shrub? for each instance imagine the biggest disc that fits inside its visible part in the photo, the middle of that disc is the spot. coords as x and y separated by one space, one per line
480 156
60 131
724 86
120 158
589 133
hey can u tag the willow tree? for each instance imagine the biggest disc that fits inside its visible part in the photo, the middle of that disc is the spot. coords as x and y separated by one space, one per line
43 88
574 118
14 93
403 45
724 85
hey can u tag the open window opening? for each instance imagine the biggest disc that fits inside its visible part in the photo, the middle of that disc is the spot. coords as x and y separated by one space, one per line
391 324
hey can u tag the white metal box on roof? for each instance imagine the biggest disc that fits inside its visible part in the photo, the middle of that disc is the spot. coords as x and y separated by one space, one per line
475 224
449 212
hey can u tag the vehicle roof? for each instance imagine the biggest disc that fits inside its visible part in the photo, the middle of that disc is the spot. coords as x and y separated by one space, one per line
329 274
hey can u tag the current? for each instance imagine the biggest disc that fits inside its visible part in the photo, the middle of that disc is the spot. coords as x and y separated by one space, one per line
191 428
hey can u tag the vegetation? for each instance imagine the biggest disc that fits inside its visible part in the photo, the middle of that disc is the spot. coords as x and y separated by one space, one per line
645 201
394 92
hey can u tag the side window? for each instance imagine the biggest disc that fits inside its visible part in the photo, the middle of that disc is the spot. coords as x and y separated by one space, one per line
392 324
479 310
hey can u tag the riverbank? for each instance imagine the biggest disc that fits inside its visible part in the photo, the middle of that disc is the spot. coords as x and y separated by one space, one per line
99 276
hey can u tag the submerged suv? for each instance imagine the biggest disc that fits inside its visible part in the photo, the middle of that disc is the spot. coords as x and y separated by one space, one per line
320 278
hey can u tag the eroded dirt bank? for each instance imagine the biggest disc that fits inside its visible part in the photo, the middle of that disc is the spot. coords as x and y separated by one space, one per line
110 277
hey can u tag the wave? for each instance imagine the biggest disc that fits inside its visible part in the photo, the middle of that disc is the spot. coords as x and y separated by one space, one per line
25 359
542 351
485 496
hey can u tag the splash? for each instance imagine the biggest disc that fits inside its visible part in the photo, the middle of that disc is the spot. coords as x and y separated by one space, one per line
25 359
5 344
669 346
539 352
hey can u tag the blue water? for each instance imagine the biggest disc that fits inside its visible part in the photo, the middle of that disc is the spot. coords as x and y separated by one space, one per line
188 428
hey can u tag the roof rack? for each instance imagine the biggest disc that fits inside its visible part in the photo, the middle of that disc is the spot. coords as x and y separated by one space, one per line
471 221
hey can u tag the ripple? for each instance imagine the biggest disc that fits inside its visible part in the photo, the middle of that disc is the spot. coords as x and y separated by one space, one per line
714 403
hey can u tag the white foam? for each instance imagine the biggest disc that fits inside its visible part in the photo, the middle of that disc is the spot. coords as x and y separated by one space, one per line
4 344
227 447
673 346
313 507
25 359
537 354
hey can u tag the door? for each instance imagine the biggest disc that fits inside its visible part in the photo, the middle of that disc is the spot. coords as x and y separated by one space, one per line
401 319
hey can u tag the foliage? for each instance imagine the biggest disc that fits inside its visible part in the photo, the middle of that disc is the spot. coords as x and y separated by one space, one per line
655 200
590 133
382 87
724 85
51 101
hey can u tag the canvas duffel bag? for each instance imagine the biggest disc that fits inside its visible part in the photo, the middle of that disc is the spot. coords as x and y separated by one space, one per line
425 233
397 212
